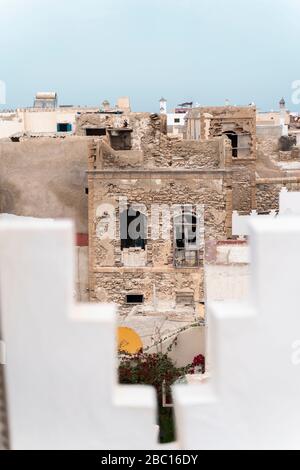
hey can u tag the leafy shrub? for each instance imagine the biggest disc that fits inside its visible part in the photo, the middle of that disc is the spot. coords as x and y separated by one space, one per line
159 371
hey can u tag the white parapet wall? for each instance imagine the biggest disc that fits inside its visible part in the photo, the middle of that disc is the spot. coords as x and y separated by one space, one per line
289 204
60 371
240 223
252 399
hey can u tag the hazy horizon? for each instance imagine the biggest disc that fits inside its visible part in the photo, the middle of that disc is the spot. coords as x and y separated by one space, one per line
186 50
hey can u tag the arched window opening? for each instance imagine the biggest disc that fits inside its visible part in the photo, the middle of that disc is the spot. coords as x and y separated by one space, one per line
133 229
186 232
234 142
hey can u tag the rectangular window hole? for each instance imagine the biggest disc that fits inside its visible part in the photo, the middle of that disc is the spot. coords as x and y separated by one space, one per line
134 299
64 127
95 131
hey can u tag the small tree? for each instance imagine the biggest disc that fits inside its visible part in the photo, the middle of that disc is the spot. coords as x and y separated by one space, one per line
150 369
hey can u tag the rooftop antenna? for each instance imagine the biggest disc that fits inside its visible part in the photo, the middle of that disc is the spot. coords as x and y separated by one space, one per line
154 298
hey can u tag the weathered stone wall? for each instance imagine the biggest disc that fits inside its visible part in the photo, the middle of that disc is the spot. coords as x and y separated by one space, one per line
152 148
267 146
169 153
108 279
113 286
147 128
170 188
268 190
207 122
267 197
158 170
243 188
193 154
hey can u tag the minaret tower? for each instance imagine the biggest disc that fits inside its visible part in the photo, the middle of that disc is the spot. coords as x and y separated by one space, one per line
282 107
163 106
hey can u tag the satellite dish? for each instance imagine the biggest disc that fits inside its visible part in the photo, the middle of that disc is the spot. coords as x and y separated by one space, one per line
129 341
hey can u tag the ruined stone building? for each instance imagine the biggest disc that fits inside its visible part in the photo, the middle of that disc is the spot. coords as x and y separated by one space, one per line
133 168
238 125
265 158
142 173
122 169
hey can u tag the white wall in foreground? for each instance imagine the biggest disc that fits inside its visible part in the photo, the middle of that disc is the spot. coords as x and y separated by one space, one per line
60 374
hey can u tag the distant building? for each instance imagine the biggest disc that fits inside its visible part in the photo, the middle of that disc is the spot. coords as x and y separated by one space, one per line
294 128
45 100
123 104
47 118
176 120
273 123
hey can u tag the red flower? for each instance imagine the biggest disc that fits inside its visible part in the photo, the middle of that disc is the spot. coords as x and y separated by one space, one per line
199 361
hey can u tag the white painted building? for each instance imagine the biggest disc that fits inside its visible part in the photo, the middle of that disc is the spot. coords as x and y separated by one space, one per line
40 121
176 122
176 119
273 123
46 117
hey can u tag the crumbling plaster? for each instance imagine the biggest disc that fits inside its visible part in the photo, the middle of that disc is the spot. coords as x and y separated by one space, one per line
106 270
45 178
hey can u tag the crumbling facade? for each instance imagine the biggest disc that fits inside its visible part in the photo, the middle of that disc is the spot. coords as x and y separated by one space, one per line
238 124
135 165
262 164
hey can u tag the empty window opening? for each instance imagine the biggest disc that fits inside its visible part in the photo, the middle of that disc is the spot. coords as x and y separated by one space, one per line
186 230
187 239
234 142
64 127
134 299
133 229
95 131
185 299
120 139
